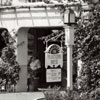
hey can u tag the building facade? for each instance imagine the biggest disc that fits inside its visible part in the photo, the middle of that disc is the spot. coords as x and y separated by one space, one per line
30 22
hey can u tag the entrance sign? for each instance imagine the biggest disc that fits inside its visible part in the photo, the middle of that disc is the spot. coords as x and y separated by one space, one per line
53 63
53 60
53 75
54 56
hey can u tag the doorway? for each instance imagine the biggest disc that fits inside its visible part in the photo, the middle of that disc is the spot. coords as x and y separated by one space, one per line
36 47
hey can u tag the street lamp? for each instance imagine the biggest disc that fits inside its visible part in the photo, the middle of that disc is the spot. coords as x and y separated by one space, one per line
69 17
69 20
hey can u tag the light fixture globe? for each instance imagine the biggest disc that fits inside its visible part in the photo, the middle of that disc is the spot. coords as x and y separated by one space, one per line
69 16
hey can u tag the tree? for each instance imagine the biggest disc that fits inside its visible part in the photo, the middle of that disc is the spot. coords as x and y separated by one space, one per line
9 67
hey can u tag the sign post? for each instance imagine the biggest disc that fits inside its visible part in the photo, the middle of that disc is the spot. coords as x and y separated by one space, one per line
69 20
69 41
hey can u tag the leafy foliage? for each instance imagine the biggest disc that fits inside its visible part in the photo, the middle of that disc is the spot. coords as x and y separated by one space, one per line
67 95
72 95
87 44
9 67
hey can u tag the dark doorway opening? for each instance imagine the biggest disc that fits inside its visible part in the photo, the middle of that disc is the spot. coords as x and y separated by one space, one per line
37 47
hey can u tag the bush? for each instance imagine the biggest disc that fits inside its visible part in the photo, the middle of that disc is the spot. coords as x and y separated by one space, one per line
55 94
9 68
95 94
61 95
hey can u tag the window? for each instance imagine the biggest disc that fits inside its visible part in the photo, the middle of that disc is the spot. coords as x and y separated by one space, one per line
35 0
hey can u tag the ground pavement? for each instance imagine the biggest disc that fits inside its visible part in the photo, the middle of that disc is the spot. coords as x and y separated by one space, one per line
21 96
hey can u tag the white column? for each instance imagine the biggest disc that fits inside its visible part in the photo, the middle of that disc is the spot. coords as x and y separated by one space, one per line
69 42
69 68
22 58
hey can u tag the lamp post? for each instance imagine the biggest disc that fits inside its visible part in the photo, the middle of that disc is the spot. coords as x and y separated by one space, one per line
69 19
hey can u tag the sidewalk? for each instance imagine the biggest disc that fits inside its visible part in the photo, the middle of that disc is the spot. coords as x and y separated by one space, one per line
21 96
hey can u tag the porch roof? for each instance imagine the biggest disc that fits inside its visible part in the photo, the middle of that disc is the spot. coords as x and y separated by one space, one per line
32 15
15 17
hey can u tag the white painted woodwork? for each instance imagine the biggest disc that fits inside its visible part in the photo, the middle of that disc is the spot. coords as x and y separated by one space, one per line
30 17
22 58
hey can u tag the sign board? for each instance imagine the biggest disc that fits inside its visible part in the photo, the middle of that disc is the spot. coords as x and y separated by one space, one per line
54 60
53 75
53 63
54 56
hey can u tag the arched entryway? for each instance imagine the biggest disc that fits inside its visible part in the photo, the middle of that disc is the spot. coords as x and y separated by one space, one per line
29 44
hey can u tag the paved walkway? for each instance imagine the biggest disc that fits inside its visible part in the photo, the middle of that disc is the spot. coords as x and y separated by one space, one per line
21 96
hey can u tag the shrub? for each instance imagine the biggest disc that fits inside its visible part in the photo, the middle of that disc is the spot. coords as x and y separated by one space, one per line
95 94
61 95
9 67
55 94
